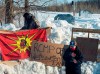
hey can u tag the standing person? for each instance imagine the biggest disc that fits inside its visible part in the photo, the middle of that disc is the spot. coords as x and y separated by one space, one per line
73 59
29 22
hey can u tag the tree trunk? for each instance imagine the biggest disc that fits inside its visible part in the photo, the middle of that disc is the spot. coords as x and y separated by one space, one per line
9 11
26 5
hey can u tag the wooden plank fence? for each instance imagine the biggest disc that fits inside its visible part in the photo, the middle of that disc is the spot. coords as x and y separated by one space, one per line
89 31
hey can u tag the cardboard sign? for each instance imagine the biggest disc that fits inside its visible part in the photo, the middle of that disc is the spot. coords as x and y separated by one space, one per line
88 47
47 53
9 63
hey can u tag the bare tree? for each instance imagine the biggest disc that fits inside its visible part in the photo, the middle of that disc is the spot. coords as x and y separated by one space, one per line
21 3
9 11
26 5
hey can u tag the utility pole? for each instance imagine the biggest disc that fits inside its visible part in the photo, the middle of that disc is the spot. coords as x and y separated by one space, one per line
9 11
74 7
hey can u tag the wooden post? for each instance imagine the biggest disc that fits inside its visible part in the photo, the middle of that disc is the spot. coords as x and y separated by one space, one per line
88 34
72 34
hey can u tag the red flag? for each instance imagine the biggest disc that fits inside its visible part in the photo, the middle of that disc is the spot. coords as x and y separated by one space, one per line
16 45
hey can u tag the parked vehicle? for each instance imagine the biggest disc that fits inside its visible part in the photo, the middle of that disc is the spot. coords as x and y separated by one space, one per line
68 17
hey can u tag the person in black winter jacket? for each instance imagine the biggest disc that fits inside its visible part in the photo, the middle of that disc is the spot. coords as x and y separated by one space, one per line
73 59
29 22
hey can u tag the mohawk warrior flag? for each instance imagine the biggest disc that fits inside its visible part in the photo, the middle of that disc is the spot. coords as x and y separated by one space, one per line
17 45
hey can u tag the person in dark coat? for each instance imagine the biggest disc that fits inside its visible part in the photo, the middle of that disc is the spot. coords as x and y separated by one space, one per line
73 59
29 22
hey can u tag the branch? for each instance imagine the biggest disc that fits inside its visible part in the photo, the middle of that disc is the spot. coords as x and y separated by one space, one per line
46 2
42 4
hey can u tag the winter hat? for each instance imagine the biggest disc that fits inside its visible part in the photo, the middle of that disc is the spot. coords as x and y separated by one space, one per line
27 15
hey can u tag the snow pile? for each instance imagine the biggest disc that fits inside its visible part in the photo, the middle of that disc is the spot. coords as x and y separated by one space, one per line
9 26
61 31
90 68
33 67
28 67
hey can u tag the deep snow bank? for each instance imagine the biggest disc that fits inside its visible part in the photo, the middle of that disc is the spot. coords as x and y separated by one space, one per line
33 67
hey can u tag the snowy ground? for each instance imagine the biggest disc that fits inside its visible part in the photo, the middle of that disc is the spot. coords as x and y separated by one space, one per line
61 34
33 67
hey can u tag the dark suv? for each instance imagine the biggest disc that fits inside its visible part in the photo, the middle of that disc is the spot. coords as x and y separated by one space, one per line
68 17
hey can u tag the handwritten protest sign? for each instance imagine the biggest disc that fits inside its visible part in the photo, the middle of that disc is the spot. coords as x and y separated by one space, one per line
47 53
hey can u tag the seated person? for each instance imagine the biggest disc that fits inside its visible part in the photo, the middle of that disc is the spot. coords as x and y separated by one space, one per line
29 22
